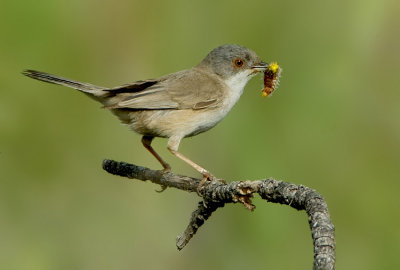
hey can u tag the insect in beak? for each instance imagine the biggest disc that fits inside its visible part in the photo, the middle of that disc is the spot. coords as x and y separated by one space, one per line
271 79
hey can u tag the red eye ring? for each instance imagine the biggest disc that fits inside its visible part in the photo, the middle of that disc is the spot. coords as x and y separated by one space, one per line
239 62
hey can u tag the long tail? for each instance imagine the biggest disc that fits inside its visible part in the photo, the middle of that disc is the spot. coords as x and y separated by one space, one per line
88 88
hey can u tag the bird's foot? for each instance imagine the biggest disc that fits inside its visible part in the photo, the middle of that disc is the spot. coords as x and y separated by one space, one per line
208 177
167 169
163 188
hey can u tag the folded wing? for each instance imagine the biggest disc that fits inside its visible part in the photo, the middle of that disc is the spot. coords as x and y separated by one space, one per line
188 89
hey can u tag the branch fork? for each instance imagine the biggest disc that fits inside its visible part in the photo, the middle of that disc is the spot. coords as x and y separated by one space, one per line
216 194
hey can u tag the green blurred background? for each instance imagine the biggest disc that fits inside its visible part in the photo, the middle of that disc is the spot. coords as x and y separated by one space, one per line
333 126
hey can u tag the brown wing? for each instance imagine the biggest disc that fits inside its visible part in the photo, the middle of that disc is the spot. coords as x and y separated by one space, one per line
188 89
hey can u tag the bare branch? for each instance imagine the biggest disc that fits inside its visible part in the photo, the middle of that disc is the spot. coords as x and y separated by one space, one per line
197 219
216 194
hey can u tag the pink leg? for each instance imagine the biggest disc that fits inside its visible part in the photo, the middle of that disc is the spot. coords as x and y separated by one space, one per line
173 145
146 140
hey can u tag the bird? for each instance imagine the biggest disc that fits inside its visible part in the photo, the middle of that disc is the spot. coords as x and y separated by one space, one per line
178 105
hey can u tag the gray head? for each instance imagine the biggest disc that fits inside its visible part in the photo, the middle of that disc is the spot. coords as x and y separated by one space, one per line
229 60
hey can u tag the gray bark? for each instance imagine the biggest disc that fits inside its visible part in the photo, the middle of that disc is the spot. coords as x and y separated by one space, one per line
216 194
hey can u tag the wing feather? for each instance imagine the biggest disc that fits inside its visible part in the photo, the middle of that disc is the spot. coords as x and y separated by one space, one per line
188 89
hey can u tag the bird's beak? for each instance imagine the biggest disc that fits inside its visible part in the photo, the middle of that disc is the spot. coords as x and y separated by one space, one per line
260 67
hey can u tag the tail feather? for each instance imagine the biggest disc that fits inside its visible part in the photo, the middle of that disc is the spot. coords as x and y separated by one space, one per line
84 87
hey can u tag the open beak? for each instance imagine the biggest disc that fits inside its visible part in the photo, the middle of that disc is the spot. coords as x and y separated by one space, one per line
260 67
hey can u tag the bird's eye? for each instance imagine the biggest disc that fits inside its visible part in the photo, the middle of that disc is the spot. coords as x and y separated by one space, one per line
239 62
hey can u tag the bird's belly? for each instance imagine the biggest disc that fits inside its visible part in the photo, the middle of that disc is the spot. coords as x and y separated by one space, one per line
168 123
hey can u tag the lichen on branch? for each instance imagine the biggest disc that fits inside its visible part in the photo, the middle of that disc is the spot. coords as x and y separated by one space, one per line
217 194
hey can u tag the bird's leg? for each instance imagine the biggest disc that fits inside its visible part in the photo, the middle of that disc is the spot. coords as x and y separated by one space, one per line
146 140
173 145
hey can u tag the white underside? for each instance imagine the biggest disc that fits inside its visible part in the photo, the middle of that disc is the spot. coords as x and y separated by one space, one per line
236 85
